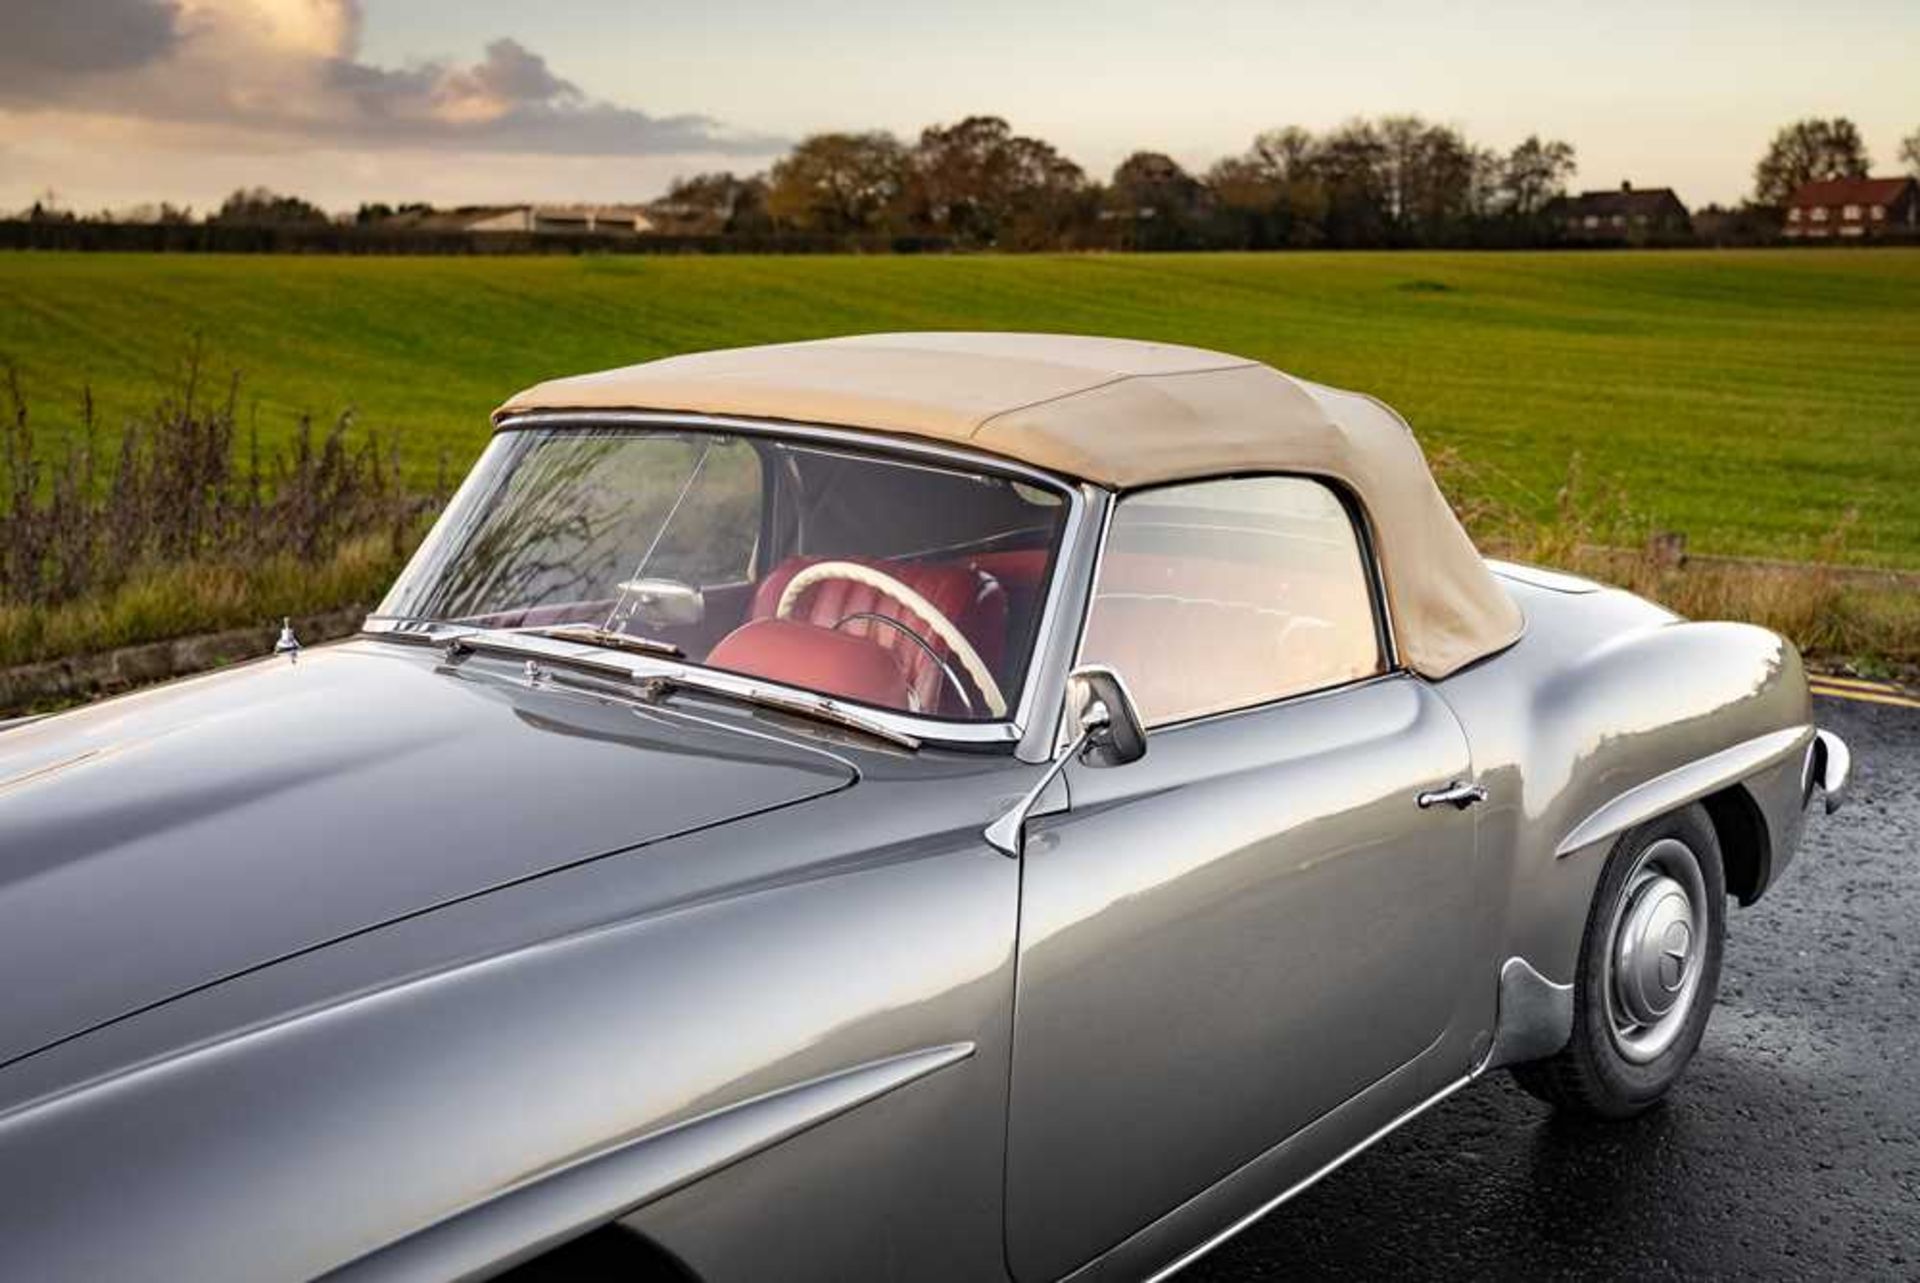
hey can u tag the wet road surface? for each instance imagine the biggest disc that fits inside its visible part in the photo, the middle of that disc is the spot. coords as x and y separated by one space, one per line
1790 1150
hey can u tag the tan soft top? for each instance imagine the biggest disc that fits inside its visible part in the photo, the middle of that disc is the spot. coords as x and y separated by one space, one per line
1117 412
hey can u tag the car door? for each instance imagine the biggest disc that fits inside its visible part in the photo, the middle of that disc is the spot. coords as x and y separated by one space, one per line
1224 940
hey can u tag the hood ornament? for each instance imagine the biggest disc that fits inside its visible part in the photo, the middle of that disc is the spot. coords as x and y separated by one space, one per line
288 645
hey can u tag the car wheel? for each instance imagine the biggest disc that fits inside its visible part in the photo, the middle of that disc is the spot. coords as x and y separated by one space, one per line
1649 969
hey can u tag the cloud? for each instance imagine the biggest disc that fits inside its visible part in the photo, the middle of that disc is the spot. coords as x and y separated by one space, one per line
289 71
48 41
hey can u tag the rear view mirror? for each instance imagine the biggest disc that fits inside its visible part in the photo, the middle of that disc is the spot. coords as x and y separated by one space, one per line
665 603
1106 731
1101 711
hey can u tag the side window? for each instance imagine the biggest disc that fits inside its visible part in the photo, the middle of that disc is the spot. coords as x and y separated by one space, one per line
1227 594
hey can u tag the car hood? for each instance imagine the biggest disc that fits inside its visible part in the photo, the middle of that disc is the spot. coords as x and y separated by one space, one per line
164 841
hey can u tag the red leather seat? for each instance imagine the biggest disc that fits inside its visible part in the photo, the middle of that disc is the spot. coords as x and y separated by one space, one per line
973 601
815 658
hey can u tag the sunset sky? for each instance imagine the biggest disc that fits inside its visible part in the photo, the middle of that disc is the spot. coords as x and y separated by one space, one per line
109 103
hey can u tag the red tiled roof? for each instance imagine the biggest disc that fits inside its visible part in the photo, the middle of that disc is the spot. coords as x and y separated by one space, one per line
1849 191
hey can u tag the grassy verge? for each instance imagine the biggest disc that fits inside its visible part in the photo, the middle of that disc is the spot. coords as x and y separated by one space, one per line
1859 624
164 602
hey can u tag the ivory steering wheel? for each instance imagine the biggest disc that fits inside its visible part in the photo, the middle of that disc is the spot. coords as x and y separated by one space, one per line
881 582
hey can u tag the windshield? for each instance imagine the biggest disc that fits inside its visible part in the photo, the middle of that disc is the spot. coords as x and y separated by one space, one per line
889 582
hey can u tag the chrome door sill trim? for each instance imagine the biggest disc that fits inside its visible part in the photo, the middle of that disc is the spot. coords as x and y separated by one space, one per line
1301 1186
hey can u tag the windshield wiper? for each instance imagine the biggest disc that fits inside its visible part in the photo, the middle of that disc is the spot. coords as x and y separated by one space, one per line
595 635
654 684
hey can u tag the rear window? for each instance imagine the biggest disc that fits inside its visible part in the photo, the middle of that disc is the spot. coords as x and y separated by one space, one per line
1228 594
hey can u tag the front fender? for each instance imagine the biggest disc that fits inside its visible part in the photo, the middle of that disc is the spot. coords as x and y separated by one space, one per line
547 1058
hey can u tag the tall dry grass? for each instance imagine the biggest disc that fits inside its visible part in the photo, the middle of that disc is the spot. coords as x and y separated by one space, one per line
1841 616
180 524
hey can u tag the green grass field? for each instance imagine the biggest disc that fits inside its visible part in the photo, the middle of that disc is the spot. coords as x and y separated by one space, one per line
1749 399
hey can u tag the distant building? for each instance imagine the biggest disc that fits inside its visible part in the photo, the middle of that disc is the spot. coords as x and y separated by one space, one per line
1629 214
1853 207
602 220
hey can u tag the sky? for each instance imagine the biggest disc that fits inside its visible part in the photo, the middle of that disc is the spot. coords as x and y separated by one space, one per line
115 103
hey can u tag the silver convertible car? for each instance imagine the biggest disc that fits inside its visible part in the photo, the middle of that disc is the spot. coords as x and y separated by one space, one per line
967 806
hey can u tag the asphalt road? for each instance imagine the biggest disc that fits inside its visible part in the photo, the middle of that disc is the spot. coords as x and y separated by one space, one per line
1790 1150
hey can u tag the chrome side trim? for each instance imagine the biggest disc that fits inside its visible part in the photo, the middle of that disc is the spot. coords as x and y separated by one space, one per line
546 1208
1534 1018
1009 731
1834 768
1301 1186
1682 785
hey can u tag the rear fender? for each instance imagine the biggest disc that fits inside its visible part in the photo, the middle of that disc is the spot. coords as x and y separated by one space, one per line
1607 712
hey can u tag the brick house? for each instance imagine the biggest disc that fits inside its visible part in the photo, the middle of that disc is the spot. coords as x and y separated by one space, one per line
1629 214
1853 207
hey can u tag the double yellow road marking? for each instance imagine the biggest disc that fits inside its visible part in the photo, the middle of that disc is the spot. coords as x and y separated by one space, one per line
1857 689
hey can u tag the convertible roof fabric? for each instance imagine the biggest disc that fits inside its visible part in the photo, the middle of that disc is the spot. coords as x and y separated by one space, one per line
1117 412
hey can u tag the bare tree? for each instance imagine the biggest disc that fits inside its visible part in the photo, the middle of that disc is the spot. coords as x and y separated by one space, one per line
1286 153
1536 173
1427 177
1910 153
1808 151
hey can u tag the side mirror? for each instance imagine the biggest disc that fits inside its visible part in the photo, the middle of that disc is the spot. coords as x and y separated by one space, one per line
665 603
1106 731
1102 715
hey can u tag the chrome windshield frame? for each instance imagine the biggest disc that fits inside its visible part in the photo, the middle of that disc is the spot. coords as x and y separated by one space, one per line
916 727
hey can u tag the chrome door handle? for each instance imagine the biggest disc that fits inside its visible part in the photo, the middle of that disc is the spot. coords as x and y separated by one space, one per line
1458 794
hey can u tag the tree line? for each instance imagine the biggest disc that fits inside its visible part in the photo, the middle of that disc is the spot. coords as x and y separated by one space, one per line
1396 181
978 184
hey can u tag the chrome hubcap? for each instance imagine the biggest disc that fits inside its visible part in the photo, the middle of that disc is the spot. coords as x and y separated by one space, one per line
1657 944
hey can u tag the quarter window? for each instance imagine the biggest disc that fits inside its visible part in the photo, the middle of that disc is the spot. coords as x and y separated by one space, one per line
1227 594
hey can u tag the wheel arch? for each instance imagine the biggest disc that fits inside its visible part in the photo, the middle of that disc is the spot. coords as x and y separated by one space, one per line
1746 845
609 1252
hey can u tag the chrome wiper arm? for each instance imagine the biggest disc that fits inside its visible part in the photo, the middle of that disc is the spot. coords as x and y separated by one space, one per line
595 635
652 682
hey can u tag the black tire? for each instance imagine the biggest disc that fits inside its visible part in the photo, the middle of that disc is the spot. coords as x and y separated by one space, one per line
1592 1075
